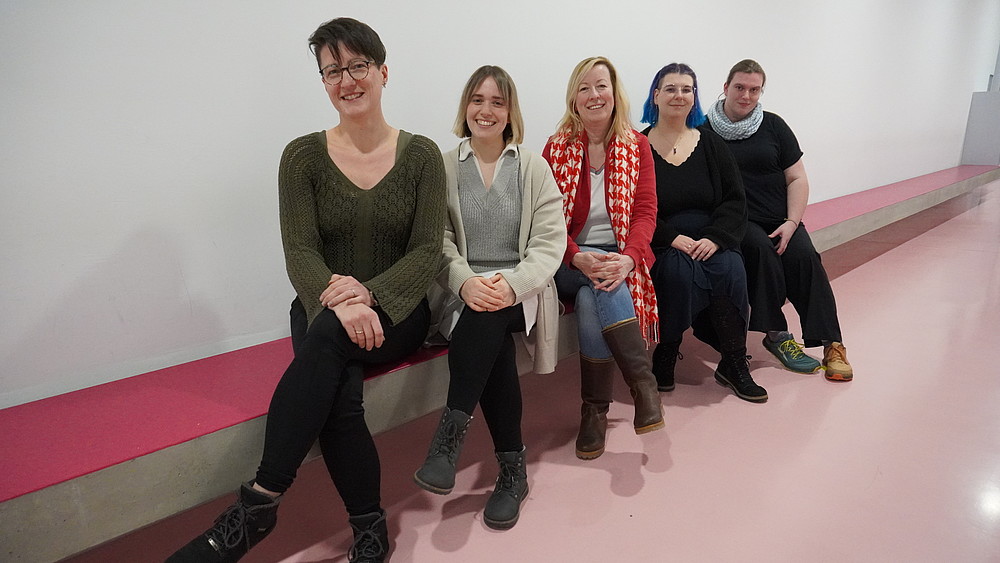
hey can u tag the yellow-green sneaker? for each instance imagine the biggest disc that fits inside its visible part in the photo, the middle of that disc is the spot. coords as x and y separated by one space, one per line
790 354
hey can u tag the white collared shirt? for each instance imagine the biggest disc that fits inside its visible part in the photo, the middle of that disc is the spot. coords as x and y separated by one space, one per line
465 150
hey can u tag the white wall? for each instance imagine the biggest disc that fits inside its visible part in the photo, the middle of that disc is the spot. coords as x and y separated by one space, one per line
140 140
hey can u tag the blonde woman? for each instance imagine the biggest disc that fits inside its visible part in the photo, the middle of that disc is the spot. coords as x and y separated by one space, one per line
504 240
604 169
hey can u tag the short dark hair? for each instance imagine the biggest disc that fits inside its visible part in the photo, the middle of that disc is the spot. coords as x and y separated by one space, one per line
748 66
350 33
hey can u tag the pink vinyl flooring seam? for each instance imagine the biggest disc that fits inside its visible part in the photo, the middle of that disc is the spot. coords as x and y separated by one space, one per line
903 464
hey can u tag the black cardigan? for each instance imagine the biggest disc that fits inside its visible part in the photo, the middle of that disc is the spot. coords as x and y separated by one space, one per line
729 209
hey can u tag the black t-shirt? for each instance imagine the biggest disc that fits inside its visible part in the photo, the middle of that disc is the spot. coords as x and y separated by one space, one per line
763 158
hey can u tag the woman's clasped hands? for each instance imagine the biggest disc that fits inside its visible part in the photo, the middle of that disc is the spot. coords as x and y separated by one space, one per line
487 294
605 271
700 250
351 301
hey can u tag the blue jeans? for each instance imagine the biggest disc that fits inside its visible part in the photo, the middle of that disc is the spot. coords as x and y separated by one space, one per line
595 309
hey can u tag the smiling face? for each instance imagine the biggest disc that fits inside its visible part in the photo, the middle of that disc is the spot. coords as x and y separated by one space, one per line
742 94
487 112
353 98
674 98
595 97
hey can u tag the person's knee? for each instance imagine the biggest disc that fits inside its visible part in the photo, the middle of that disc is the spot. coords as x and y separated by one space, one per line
348 405
800 249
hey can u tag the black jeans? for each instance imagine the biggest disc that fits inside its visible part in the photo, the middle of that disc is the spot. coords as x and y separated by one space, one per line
483 364
321 396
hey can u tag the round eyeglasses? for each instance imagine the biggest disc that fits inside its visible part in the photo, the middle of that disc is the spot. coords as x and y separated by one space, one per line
332 74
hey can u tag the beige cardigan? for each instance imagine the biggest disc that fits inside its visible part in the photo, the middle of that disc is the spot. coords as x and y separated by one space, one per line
541 243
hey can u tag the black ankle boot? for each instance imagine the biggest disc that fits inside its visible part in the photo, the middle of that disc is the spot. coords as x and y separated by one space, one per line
371 538
665 358
734 372
504 506
242 526
437 474
734 369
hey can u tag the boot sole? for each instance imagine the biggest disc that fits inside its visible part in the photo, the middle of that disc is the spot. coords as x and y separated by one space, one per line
725 383
431 488
495 525
506 524
589 455
650 427
836 376
665 388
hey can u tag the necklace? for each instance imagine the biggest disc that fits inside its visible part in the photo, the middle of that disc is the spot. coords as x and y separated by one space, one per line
678 141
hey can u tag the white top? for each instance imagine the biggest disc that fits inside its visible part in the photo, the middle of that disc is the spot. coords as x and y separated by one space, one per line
597 230
465 151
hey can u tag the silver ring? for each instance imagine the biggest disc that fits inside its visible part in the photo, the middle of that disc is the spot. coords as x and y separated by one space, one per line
359 332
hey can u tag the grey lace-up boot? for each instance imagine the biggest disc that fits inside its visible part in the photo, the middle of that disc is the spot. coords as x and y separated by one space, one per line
371 538
437 474
504 506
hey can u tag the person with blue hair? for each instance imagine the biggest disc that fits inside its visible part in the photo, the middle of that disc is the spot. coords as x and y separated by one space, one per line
701 217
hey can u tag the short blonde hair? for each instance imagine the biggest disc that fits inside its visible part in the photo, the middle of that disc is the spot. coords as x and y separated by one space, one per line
514 131
572 125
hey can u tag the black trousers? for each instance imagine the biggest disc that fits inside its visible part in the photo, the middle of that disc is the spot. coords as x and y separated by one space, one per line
797 275
320 396
483 364
685 288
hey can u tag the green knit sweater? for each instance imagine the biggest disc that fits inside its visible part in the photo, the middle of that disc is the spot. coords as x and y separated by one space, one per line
389 237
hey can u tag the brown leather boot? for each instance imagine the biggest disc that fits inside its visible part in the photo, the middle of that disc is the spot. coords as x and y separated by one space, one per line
595 389
629 350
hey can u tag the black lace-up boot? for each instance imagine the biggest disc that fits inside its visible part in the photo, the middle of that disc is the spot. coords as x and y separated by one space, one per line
665 358
437 474
734 369
242 526
504 506
371 538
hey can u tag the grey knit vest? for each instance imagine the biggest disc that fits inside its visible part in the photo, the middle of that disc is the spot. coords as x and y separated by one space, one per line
492 217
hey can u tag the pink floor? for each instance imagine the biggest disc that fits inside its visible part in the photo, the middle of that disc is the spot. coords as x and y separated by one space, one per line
903 464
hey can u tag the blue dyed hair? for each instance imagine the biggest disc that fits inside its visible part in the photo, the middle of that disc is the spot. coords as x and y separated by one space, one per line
651 114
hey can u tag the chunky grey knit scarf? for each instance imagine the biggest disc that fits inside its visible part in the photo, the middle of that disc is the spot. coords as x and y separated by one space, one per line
734 131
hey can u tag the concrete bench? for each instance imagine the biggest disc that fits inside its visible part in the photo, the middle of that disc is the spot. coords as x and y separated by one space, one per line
90 465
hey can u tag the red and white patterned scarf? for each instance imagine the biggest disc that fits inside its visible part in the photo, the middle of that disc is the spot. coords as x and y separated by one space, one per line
622 177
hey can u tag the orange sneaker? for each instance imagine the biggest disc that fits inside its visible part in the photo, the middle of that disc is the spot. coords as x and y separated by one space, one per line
835 363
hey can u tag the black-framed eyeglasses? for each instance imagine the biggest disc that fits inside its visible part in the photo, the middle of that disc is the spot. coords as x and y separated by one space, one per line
332 74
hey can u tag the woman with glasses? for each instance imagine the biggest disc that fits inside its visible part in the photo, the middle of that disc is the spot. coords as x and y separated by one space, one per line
362 208
605 172
504 239
701 218
781 261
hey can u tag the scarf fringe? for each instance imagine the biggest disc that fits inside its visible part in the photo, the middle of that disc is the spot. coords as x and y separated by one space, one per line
622 179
